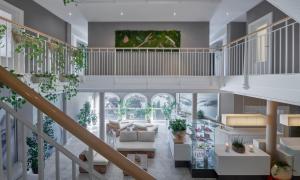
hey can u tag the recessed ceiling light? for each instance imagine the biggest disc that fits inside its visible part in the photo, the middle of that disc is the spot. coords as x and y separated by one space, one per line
122 13
174 13
70 14
227 13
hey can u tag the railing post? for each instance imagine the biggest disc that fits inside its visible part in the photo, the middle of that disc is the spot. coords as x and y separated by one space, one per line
115 61
147 61
246 61
179 62
8 147
1 162
24 152
57 167
40 145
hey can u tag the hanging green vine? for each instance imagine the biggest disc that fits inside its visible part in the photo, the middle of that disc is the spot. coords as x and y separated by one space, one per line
78 59
70 89
47 85
58 50
3 29
12 98
68 1
34 46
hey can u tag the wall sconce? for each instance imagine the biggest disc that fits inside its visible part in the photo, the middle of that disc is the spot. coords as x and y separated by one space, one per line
290 119
244 120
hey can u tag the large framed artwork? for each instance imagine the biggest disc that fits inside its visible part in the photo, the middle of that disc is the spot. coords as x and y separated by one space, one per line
147 39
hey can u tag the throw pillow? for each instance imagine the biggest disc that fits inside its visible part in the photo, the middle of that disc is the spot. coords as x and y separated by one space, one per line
140 127
128 136
146 136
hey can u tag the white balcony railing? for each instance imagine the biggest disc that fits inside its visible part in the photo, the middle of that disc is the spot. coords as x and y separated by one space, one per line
274 49
151 62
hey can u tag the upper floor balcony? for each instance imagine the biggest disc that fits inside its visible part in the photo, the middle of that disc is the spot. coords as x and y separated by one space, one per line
267 50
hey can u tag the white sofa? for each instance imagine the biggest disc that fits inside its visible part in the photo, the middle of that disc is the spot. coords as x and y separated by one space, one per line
136 142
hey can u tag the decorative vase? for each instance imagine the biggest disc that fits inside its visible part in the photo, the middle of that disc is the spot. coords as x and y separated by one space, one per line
240 150
179 137
280 173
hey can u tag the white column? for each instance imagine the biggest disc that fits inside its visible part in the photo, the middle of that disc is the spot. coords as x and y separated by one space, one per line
194 110
271 129
101 116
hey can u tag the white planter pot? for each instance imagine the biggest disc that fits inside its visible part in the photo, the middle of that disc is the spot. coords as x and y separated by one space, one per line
281 173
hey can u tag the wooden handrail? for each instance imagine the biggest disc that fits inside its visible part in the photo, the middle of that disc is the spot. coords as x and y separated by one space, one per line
69 124
36 31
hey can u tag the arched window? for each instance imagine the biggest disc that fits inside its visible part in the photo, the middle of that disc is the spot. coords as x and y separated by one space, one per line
135 105
159 101
111 102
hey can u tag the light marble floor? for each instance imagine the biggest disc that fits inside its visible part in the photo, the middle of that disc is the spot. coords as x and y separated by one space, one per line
161 167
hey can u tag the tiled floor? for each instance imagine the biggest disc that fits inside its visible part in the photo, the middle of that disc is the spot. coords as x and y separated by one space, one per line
161 167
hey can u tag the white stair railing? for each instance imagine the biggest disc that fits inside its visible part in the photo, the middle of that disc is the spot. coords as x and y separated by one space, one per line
26 124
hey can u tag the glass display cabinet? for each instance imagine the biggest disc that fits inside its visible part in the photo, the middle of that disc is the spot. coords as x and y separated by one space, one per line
203 143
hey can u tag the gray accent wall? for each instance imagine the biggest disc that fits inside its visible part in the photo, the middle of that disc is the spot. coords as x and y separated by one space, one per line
39 18
262 9
193 34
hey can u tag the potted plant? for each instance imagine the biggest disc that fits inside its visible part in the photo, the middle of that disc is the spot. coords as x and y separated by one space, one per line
168 109
281 171
86 116
32 143
238 146
178 127
148 112
200 114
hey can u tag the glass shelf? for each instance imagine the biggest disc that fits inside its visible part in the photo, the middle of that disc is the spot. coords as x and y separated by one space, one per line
203 143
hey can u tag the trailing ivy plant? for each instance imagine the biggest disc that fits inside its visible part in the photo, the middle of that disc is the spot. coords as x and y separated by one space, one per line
70 89
47 85
78 59
34 46
58 50
3 29
15 100
68 1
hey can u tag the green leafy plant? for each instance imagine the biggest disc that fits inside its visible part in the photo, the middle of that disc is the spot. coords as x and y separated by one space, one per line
59 50
78 59
3 29
48 85
238 145
70 89
178 125
12 98
32 142
86 115
122 110
200 114
148 111
33 45
68 1
168 109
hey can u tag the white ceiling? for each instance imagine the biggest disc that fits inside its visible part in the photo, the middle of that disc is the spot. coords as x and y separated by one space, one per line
227 11
218 12
290 7
148 10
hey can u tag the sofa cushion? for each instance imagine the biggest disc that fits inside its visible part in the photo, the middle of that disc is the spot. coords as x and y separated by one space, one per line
146 136
128 136
124 125
140 127
135 146
153 128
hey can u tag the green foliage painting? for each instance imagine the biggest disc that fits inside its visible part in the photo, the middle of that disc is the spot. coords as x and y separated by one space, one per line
154 39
